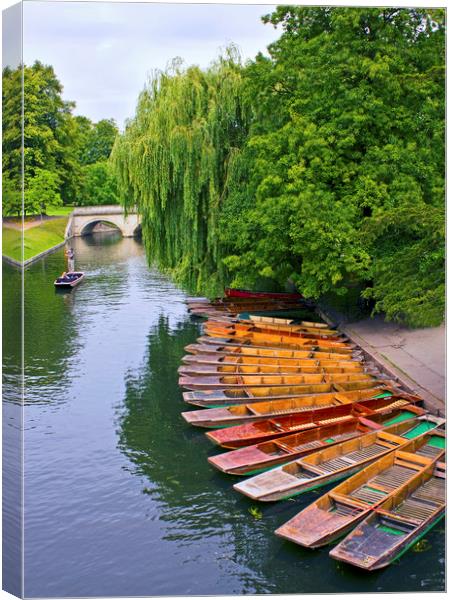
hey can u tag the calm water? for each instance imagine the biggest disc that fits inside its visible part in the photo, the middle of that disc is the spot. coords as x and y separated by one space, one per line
120 499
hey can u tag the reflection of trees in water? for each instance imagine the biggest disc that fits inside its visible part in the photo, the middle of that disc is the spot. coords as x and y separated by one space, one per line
50 332
12 330
12 413
197 505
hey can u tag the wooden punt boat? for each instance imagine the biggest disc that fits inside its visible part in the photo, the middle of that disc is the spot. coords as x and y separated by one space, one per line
227 327
69 280
278 344
221 363
220 329
258 366
342 508
229 397
256 319
214 347
261 457
241 381
252 305
381 409
399 522
335 463
260 411
240 293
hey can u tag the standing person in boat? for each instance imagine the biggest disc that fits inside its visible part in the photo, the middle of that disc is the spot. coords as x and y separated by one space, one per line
70 259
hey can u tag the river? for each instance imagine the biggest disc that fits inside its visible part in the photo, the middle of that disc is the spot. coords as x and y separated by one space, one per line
119 497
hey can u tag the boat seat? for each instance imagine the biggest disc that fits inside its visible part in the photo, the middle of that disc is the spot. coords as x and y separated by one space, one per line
357 503
285 447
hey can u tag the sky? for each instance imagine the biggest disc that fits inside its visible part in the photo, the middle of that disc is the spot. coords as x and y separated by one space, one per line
104 52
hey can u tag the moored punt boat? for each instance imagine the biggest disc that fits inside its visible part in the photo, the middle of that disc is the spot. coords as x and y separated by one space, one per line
228 327
331 464
240 293
242 381
342 508
69 279
397 523
211 399
227 362
215 347
279 320
232 306
279 344
260 411
378 411
263 456
278 333
264 366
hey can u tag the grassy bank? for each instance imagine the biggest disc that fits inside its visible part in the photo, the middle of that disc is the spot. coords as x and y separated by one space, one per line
36 239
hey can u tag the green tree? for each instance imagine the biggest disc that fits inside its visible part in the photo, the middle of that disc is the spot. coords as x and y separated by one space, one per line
42 191
342 177
12 141
322 163
98 184
48 132
99 141
173 162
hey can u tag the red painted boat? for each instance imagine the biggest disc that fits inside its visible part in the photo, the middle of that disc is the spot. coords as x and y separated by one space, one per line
260 457
239 293
250 433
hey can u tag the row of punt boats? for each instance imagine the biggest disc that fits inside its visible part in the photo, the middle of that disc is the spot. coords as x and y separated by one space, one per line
297 407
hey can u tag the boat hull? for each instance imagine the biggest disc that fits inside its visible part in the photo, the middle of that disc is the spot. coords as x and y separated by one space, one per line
240 293
69 284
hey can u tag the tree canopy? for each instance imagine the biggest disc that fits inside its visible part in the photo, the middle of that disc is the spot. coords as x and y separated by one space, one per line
322 164
343 171
174 160
56 145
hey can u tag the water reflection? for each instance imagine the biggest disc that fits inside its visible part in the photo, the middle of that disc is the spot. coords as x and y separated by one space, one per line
120 499
198 505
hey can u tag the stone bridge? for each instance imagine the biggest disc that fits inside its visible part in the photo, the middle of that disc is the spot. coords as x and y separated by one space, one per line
84 218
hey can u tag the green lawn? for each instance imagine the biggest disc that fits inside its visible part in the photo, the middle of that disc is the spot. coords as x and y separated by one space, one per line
59 211
36 240
11 243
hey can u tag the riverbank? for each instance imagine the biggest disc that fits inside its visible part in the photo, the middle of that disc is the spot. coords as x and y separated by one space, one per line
39 237
414 357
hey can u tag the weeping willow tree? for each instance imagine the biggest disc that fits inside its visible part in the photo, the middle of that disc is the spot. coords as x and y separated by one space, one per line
173 162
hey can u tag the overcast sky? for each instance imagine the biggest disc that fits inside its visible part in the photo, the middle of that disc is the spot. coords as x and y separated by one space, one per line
103 52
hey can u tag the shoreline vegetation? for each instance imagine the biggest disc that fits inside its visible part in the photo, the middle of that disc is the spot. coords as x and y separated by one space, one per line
321 164
319 167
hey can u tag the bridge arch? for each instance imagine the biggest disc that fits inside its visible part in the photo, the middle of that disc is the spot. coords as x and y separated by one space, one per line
88 228
84 218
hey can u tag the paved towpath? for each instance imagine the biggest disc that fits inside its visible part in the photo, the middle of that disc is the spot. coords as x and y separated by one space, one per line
416 356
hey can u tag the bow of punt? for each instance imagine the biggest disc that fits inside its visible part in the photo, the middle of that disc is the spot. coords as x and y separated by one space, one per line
397 523
343 507
332 464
